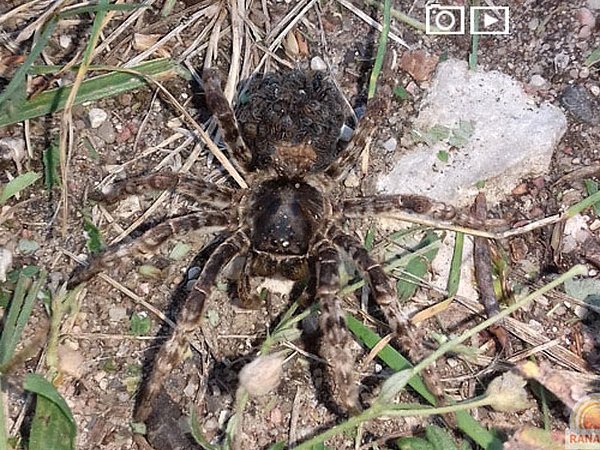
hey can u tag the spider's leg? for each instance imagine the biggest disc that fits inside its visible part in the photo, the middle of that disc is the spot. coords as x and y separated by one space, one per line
335 339
150 240
220 107
384 204
172 351
361 138
247 298
385 297
203 192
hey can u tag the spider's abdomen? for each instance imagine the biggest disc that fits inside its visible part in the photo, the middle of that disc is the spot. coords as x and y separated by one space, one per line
284 215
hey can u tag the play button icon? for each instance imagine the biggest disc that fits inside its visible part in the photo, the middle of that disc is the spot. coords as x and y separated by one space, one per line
489 20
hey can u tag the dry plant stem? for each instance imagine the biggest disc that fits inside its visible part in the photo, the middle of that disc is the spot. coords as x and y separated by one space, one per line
379 409
411 218
66 120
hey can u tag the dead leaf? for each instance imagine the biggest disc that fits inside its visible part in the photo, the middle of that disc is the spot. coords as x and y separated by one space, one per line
419 64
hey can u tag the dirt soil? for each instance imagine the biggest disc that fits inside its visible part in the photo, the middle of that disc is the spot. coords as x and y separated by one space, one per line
103 363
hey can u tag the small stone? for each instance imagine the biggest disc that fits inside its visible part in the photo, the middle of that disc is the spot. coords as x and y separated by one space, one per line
5 262
107 133
117 313
190 390
125 99
390 145
12 148
533 23
97 117
586 18
584 72
579 102
352 180
537 81
64 40
585 32
317 63
561 62
521 189
595 90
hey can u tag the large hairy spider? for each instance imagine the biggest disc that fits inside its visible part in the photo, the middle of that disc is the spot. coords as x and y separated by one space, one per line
285 140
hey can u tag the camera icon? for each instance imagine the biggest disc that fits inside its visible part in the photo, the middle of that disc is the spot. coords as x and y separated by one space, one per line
444 19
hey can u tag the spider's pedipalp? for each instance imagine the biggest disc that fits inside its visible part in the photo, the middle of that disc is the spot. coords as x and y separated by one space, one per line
221 109
201 191
171 353
335 339
150 240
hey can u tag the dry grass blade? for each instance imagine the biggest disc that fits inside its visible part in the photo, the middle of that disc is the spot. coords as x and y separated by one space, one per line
66 131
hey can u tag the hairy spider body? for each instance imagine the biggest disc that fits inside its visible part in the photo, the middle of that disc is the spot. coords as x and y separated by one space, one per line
286 224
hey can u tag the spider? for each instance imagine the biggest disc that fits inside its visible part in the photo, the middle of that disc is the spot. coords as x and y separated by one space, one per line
285 140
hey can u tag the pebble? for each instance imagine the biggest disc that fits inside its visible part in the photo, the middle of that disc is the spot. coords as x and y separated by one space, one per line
579 102
117 313
585 32
595 90
107 132
97 117
584 72
317 63
5 262
390 145
561 61
12 148
534 23
64 40
586 18
352 180
537 81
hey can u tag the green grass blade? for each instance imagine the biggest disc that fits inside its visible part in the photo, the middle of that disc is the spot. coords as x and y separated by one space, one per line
388 355
593 58
383 38
96 88
197 433
455 265
592 187
583 204
51 161
18 80
18 315
53 426
18 184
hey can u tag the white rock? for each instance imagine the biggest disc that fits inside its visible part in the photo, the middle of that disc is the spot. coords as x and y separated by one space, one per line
390 145
317 63
593 4
12 148
5 262
537 81
97 117
511 138
64 40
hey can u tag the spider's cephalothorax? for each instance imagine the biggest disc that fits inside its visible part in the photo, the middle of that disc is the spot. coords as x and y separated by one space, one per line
286 224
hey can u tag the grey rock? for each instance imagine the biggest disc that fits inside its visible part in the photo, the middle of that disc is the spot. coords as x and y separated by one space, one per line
107 132
487 128
579 101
